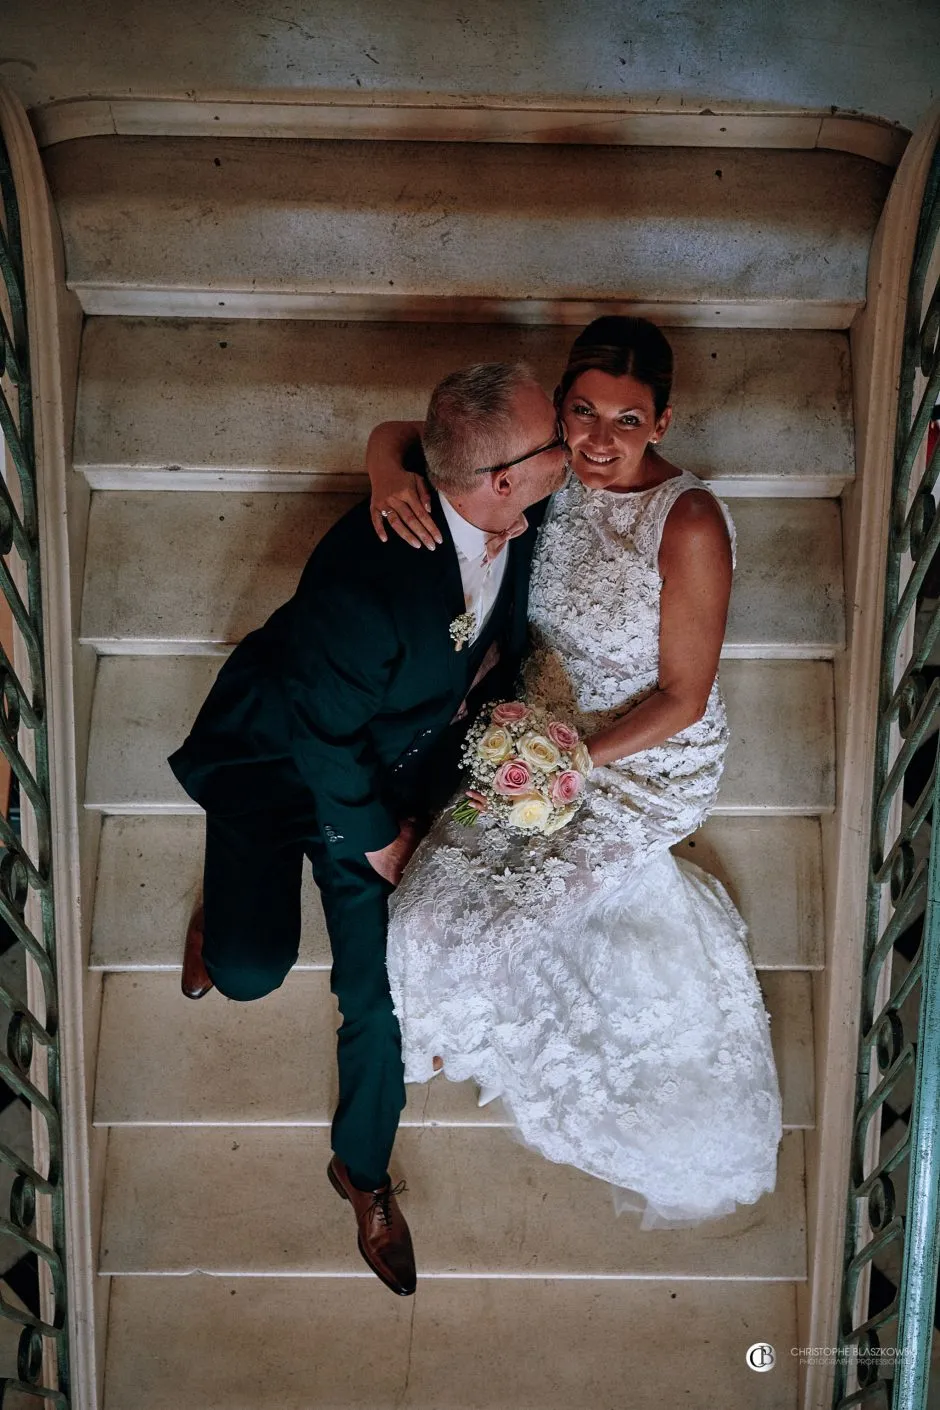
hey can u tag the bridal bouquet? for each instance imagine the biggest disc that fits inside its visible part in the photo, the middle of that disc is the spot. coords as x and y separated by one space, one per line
529 767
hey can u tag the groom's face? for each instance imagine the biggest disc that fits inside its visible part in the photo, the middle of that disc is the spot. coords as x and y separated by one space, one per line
534 424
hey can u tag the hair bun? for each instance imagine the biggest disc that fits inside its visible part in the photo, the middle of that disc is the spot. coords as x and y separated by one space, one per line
622 346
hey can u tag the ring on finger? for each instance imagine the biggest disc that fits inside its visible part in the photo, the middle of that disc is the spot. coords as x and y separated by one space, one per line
385 513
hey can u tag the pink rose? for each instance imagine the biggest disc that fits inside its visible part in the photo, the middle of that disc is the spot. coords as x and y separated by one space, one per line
564 736
566 787
512 778
510 713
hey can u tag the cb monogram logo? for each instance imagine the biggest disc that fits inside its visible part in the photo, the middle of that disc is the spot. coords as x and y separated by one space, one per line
761 1356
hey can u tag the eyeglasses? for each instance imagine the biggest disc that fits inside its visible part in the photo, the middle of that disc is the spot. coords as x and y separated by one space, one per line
555 444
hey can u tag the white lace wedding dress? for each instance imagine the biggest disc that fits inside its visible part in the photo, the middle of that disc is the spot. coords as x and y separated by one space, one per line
601 986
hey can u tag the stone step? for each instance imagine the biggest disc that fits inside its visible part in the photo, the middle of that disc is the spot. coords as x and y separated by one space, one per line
299 1343
199 1063
150 873
428 117
234 1200
282 405
464 232
174 572
780 713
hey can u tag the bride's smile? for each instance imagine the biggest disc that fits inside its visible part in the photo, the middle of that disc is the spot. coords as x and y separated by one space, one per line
611 423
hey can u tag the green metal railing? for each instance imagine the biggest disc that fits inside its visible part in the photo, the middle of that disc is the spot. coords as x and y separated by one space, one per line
35 1228
892 1239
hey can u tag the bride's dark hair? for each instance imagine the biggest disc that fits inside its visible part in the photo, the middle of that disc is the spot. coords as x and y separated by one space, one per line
622 347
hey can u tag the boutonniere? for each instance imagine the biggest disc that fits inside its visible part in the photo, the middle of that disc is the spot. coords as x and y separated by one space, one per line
462 629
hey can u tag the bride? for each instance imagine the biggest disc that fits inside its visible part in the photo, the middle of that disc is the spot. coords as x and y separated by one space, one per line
601 987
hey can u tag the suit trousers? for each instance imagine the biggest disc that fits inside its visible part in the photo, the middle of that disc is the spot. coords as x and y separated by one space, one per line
253 871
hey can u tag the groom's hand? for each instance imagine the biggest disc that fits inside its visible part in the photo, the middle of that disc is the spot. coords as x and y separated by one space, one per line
391 861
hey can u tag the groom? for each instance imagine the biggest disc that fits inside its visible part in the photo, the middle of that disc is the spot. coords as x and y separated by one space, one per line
334 731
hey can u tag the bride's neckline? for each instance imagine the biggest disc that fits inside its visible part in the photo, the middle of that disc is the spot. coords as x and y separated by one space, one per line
631 494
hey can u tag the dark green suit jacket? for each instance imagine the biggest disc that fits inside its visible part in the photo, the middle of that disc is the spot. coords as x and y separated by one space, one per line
348 687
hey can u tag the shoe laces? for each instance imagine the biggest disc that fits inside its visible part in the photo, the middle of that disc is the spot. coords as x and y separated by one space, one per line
381 1202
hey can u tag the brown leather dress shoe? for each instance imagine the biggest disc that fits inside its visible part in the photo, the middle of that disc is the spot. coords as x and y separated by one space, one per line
384 1238
195 981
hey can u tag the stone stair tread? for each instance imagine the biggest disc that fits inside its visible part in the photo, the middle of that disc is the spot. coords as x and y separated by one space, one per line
213 1200
780 714
198 1063
204 569
264 403
474 223
150 872
236 1344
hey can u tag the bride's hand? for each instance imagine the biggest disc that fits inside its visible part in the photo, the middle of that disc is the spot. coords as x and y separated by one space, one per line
405 507
400 500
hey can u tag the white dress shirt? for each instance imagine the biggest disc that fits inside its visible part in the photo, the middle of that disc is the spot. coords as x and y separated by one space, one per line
481 579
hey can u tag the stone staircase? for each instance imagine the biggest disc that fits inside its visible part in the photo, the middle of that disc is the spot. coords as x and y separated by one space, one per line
252 307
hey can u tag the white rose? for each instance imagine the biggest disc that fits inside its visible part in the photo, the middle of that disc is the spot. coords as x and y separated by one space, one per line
530 813
495 745
538 751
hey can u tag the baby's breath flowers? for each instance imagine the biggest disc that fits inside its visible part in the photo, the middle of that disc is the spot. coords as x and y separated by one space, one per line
462 629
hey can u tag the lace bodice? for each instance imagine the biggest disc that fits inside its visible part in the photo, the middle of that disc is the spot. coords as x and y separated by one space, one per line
594 618
594 596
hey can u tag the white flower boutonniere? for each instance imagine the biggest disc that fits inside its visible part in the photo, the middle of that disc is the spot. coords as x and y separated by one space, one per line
462 629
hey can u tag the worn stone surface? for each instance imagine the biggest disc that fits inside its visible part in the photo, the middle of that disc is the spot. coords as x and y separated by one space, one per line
250 404
781 757
234 1344
465 222
214 1199
850 53
197 1064
150 872
196 570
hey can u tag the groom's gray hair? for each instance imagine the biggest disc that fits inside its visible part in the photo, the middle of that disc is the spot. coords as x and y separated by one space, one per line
469 421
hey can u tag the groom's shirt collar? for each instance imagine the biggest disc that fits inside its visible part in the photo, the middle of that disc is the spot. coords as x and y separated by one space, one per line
469 541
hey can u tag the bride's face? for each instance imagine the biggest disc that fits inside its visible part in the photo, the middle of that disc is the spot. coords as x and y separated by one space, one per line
609 422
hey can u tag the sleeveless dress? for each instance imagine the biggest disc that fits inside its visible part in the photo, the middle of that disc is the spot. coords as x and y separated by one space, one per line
600 986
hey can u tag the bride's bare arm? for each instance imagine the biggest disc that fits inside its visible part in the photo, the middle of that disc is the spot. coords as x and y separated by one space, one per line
399 499
695 564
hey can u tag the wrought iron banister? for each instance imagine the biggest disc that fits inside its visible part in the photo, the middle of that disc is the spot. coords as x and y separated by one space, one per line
886 1326
31 1065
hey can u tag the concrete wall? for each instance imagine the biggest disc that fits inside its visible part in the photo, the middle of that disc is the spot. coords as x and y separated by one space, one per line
862 55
